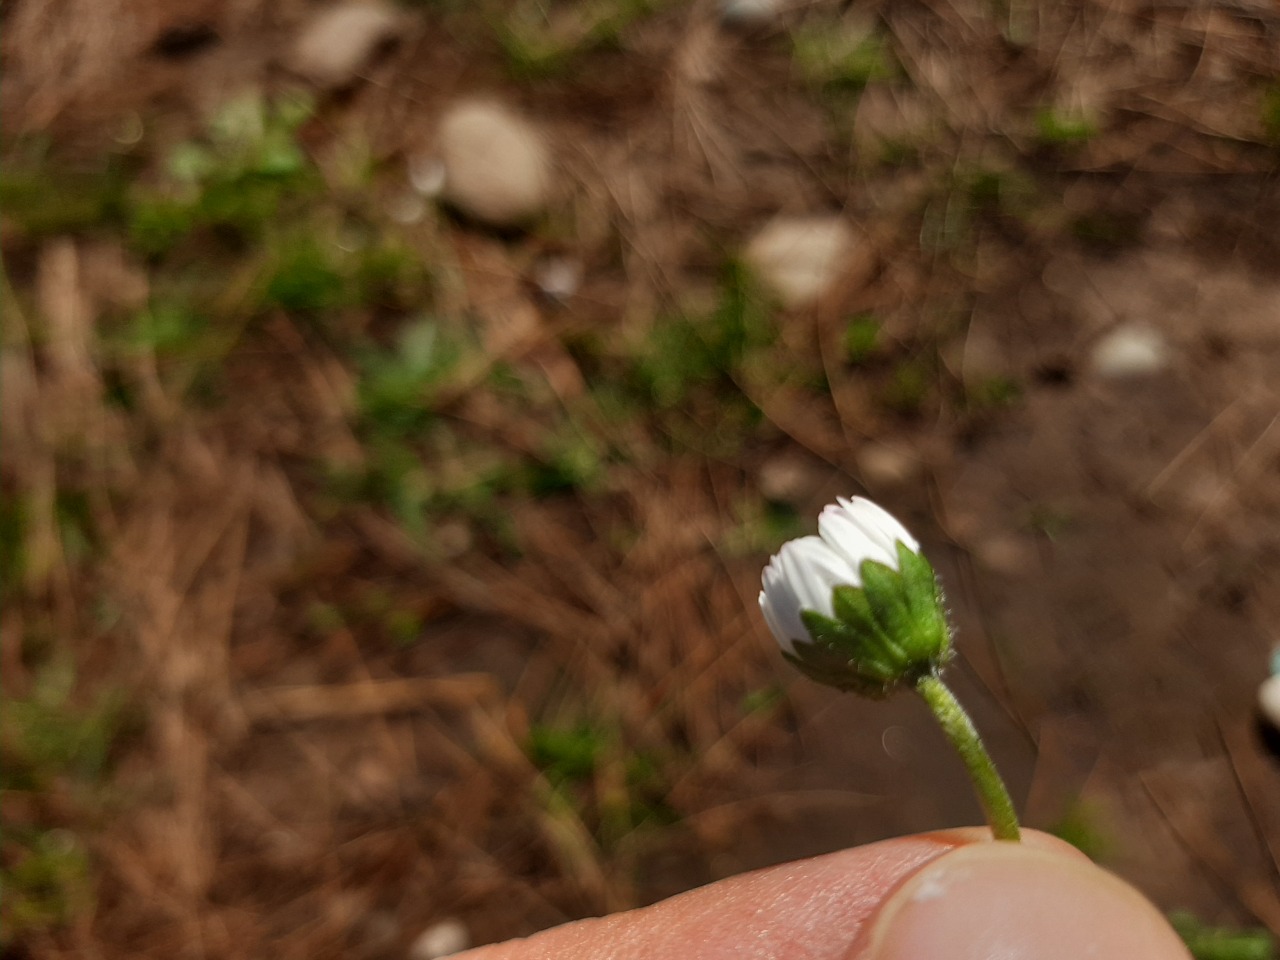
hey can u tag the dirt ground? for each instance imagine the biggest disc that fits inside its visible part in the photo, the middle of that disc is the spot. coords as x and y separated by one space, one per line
555 697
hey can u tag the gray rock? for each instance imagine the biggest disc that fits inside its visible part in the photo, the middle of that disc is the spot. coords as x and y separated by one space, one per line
341 39
497 167
442 939
789 478
800 258
888 464
1130 351
750 13
558 278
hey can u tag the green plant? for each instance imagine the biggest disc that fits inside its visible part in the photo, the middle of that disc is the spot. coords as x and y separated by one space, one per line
1270 113
541 40
909 386
571 458
389 274
305 277
13 525
1050 520
1060 128
761 525
1221 943
993 393
763 699
1080 826
1107 230
395 387
47 736
236 177
44 876
685 352
612 791
167 327
50 743
841 56
861 337
44 200
566 755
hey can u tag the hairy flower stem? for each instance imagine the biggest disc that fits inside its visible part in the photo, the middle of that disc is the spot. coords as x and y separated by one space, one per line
964 736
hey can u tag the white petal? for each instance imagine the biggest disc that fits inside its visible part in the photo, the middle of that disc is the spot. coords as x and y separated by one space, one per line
853 541
803 574
781 607
781 632
872 514
812 568
861 530
801 577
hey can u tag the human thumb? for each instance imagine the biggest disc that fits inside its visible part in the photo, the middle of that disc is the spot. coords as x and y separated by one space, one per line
1015 902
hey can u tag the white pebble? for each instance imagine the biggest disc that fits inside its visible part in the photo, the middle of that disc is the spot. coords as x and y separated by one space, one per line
339 41
1130 351
427 174
749 13
497 166
887 464
788 478
441 939
1007 554
799 258
558 278
1269 700
407 208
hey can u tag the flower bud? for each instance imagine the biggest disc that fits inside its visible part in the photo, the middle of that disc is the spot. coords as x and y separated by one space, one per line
857 607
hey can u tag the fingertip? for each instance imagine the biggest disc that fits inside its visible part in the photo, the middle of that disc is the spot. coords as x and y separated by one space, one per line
1038 900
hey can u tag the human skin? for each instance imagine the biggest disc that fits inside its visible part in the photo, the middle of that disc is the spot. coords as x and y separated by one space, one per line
955 895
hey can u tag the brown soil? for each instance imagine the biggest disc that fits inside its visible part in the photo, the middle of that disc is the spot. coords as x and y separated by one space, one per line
1110 547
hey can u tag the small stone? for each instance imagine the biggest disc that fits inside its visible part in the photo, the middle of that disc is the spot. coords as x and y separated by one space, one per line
558 278
750 13
407 208
340 40
788 478
496 164
442 939
427 174
1007 554
1130 351
1269 700
887 464
800 258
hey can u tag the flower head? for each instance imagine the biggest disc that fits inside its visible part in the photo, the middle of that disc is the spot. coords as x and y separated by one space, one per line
858 606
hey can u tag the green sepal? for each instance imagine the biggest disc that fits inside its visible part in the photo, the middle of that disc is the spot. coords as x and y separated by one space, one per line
827 666
890 631
927 607
871 644
826 632
886 597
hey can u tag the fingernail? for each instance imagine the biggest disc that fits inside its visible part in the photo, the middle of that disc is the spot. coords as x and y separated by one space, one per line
1005 900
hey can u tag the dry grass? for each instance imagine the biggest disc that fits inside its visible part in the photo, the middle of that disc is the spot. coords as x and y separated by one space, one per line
339 713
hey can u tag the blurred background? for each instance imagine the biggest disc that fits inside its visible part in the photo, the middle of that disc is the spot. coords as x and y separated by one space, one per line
400 403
